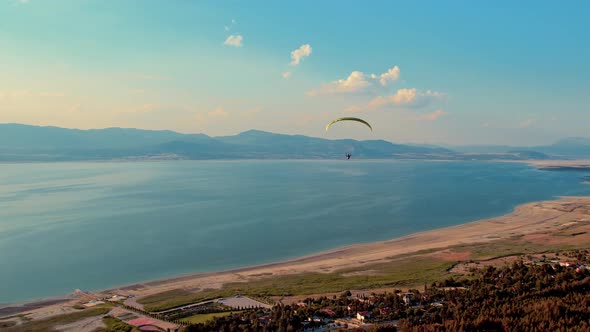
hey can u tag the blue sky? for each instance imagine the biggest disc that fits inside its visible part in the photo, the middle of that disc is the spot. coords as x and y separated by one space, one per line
459 72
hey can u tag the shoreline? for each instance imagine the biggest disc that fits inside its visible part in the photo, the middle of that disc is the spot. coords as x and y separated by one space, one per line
525 219
349 256
530 219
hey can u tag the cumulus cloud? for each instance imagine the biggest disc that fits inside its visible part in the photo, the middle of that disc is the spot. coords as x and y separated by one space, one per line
219 112
355 82
300 53
403 98
389 76
358 81
526 123
432 116
286 74
234 40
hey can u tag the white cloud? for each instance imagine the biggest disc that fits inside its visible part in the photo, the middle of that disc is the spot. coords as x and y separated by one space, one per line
219 112
286 74
391 75
300 53
405 98
234 40
433 116
526 123
355 82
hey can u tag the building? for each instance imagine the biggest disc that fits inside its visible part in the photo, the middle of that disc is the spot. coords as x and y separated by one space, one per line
407 298
362 315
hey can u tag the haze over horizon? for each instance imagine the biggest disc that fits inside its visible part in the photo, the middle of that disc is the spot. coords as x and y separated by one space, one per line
421 72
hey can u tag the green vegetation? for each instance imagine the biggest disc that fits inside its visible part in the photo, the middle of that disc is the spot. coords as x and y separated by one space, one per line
203 318
496 249
179 297
117 325
157 299
49 324
518 297
403 271
408 271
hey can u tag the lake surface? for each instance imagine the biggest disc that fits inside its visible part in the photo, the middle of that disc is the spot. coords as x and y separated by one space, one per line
97 225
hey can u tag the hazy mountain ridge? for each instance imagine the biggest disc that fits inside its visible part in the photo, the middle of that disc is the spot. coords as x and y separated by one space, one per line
33 143
22 142
569 148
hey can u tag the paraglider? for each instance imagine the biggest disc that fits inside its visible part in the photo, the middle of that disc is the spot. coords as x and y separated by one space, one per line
348 155
349 119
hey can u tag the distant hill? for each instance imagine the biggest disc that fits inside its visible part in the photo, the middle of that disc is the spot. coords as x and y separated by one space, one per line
568 148
18 136
574 147
33 143
20 142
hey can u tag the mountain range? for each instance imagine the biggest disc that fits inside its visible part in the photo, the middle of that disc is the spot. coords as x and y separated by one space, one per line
20 142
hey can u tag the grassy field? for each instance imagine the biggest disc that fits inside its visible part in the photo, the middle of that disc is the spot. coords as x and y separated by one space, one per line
202 318
412 269
116 325
178 297
508 248
407 271
49 324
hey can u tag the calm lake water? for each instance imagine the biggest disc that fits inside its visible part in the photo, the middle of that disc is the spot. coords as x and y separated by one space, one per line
97 225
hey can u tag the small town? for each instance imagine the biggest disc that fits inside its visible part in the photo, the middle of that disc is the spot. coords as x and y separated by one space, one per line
531 283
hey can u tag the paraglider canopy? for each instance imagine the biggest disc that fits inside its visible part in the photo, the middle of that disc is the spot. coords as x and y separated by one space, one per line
349 119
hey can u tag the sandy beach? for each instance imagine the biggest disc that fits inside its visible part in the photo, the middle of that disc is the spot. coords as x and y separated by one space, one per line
534 222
